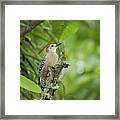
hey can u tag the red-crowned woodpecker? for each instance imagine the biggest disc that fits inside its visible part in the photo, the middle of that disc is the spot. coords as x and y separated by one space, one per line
49 60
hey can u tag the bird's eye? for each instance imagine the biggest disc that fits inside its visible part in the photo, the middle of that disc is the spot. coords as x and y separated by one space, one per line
52 45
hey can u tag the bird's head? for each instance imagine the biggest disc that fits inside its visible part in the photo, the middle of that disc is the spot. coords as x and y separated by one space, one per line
52 47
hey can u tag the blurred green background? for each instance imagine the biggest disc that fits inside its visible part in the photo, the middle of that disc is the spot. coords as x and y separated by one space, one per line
81 44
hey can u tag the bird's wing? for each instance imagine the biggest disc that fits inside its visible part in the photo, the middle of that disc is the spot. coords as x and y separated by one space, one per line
41 64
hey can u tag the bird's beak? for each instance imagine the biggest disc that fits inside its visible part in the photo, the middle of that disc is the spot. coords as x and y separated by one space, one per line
58 44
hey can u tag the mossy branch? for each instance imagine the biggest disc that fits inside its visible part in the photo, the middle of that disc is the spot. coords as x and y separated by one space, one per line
53 81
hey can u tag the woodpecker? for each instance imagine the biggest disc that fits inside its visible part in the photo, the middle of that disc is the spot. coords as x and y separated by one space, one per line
49 60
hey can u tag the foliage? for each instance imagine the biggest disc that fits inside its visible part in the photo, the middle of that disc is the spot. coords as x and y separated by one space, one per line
29 84
81 44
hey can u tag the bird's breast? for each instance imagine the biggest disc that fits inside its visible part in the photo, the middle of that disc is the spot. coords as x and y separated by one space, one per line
52 59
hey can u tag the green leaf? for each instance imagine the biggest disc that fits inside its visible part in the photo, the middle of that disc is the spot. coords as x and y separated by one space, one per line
22 24
71 28
57 27
29 84
28 37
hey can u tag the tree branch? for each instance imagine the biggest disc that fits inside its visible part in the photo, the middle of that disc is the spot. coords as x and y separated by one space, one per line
30 27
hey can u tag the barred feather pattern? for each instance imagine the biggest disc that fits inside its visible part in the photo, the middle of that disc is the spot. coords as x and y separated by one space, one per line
41 82
42 62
